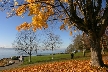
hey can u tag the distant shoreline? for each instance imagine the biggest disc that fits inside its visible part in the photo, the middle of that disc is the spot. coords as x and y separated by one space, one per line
9 52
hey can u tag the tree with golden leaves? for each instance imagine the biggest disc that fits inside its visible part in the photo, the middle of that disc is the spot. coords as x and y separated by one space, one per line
89 16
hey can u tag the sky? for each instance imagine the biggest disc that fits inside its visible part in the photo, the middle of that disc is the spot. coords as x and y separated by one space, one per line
8 30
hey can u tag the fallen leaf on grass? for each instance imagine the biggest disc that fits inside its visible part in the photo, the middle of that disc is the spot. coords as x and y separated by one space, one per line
62 66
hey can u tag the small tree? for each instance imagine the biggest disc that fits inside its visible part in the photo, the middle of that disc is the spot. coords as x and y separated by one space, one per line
70 48
77 42
81 42
52 42
26 42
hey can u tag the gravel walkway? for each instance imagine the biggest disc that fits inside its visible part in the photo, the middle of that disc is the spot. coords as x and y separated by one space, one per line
16 64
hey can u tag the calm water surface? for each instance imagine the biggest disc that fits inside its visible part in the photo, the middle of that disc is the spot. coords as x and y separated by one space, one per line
9 52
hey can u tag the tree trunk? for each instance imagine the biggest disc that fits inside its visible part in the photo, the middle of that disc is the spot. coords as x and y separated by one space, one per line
102 50
84 52
52 52
30 58
96 56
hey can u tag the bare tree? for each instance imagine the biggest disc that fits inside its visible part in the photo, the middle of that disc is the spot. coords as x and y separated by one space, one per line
52 42
26 42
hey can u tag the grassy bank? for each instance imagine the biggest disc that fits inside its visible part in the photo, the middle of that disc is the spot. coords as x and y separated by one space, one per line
57 57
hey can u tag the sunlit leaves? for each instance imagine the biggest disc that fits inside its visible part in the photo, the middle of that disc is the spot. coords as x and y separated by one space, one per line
66 21
62 27
39 21
34 8
74 30
62 66
30 1
70 32
39 15
24 26
41 12
20 10
64 1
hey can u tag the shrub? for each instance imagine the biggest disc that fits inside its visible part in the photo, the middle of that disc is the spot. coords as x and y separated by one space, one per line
15 58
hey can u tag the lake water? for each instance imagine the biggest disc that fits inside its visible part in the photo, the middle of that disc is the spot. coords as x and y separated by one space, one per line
9 52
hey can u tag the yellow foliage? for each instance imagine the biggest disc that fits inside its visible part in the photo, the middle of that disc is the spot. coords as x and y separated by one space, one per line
74 30
39 13
70 32
69 27
20 10
62 27
34 29
39 21
66 21
64 1
34 8
48 1
30 1
18 28
24 26
50 10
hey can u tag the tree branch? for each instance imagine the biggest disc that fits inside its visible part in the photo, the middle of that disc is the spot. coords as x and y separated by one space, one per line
98 8
104 21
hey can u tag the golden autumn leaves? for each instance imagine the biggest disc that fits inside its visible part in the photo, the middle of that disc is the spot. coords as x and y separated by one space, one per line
62 66
30 1
20 10
40 14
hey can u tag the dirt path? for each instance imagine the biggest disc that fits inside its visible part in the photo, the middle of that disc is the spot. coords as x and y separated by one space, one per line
16 64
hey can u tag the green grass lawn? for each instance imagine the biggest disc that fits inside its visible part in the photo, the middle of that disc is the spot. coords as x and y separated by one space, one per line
57 57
